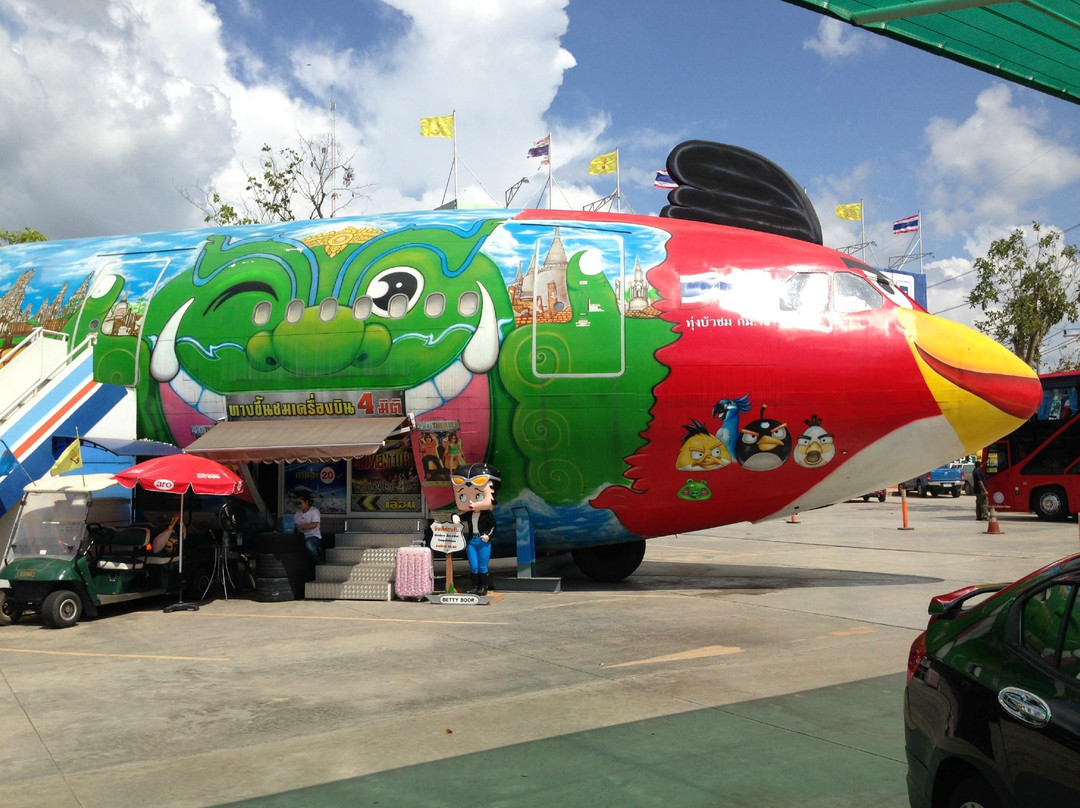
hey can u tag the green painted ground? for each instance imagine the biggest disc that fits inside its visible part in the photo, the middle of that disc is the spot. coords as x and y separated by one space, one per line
838 746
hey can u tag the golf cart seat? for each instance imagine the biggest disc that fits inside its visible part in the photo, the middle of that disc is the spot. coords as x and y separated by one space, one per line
124 549
116 564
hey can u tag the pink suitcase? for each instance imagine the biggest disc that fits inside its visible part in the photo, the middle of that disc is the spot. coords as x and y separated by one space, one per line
414 572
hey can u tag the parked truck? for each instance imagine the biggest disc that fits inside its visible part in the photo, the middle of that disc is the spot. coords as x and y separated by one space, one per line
947 479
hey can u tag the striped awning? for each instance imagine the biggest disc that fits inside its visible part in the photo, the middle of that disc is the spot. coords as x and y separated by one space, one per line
295 439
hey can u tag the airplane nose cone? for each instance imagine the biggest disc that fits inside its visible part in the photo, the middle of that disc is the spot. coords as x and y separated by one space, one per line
983 389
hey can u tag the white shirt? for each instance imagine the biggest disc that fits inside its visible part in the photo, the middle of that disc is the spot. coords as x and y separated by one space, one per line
308 522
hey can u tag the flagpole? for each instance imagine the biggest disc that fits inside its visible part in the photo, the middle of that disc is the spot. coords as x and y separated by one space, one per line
551 188
862 238
82 466
453 131
921 270
618 188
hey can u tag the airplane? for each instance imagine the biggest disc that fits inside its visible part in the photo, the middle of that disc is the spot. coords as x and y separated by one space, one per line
630 376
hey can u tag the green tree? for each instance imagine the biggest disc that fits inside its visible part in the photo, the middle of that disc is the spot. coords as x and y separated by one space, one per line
24 236
1025 290
309 178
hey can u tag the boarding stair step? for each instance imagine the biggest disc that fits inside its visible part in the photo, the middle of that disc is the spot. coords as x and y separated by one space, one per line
339 573
360 565
361 555
348 590
362 540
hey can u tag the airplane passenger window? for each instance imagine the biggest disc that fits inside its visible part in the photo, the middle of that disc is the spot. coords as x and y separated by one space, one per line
398 307
435 304
468 304
806 292
262 312
328 309
853 293
294 311
361 308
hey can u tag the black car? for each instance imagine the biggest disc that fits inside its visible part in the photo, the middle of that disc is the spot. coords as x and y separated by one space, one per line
992 704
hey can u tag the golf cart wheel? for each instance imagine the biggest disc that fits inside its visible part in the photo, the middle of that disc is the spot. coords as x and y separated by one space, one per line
9 611
866 498
881 497
61 609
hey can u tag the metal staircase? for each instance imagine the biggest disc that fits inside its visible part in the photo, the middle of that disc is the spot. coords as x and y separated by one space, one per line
361 565
47 388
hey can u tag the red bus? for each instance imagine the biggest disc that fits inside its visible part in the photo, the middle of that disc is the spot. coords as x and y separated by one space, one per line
1037 466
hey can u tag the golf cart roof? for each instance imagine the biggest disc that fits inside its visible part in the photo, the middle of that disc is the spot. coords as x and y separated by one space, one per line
78 483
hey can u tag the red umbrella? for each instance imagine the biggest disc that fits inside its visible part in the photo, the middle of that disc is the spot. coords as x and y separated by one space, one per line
177 474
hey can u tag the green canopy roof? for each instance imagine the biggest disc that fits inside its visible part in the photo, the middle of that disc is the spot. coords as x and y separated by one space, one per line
1032 42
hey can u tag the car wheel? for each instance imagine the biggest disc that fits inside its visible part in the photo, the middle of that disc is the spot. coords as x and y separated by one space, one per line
1050 504
973 793
866 498
61 609
933 492
9 612
967 488
920 489
956 492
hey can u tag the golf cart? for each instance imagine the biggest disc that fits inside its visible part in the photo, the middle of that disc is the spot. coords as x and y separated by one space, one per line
74 549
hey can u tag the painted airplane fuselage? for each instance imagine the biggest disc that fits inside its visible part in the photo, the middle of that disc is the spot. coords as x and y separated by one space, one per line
630 376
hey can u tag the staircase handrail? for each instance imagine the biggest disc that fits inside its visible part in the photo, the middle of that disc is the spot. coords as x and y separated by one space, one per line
45 378
38 333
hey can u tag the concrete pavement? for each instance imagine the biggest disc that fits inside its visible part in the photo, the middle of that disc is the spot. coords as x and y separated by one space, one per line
747 665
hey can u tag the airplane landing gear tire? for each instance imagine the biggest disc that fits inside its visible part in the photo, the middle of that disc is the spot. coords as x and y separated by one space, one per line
610 563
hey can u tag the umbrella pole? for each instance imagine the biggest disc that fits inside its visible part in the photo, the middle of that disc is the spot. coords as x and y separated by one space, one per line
180 605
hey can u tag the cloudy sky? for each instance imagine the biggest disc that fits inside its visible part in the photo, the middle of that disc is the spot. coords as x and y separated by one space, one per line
110 109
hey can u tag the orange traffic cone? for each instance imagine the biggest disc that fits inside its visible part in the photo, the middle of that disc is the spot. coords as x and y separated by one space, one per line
793 520
993 526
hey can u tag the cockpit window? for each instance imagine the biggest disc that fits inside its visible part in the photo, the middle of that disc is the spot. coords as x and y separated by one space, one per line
806 292
852 293
819 292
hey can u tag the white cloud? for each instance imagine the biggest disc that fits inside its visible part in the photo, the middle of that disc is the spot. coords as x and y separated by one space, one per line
107 106
991 171
836 41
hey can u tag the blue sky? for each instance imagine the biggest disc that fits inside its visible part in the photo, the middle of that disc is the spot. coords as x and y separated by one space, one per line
108 109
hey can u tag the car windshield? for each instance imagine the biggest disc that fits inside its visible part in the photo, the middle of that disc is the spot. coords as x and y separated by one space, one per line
51 524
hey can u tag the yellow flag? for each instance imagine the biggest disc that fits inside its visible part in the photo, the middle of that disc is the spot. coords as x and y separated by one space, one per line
70 458
437 127
605 163
850 212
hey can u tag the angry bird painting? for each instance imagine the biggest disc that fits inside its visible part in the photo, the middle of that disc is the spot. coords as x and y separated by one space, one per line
764 444
701 450
814 447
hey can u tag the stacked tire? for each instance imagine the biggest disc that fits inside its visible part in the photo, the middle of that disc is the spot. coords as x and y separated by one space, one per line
282 567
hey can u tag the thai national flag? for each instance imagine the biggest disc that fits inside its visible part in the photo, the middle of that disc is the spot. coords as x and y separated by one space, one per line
909 224
663 180
541 148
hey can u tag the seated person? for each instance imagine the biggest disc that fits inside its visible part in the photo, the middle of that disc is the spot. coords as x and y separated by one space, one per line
161 542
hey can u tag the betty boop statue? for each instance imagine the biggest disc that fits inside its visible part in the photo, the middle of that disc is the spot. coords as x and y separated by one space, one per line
474 495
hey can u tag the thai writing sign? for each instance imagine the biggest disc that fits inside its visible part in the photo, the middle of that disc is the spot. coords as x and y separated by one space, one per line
446 537
322 404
